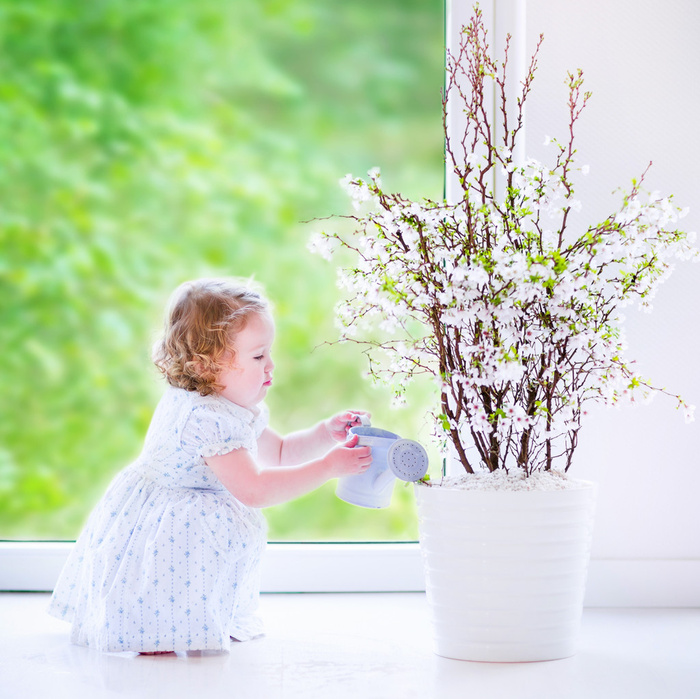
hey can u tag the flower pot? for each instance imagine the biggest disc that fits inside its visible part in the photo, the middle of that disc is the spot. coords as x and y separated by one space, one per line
505 570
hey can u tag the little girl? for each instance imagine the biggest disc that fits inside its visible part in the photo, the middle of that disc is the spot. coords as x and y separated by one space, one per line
169 559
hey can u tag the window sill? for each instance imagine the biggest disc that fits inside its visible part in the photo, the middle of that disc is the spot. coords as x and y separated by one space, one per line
287 567
383 567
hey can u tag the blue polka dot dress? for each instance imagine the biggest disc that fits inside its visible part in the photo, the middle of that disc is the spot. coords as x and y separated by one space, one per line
169 559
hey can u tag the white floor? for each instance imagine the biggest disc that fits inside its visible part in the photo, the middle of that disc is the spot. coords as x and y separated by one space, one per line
353 645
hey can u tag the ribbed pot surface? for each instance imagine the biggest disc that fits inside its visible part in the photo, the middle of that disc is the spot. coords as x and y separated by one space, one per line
505 571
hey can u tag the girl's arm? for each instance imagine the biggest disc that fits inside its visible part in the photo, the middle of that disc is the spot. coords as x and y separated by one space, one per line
302 446
264 487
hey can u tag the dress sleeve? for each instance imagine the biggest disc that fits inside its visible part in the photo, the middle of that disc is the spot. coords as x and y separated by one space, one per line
208 432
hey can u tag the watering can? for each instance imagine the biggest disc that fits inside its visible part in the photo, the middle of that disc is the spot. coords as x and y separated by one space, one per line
392 458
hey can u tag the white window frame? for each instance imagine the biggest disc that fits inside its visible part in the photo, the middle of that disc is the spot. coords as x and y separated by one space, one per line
287 567
382 567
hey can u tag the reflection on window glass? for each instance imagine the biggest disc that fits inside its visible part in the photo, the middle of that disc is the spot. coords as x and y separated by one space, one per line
142 144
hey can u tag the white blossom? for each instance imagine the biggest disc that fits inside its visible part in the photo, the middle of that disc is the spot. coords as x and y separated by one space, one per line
322 245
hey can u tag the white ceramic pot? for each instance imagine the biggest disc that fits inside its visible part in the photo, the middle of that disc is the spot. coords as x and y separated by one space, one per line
505 571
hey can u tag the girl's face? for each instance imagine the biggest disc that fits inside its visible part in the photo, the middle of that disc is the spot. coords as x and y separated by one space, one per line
248 377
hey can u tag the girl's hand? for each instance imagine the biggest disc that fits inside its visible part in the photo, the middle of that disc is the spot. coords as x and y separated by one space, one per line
347 459
339 425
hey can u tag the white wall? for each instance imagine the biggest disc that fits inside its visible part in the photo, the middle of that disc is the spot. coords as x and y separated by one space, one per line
639 59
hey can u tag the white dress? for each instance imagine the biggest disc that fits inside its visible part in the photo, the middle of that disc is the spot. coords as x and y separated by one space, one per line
169 559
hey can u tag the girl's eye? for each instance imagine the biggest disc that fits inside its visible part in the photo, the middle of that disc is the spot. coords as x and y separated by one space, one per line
259 357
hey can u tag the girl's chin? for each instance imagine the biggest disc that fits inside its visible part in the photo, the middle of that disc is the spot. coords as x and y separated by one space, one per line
263 392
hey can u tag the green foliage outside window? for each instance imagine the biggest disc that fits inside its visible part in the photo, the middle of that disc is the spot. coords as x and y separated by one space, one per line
145 143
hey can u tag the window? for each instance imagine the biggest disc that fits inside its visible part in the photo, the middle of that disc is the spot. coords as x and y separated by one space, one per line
129 174
201 143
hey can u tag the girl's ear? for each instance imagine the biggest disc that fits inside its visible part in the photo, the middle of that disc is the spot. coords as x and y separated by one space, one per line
198 367
201 365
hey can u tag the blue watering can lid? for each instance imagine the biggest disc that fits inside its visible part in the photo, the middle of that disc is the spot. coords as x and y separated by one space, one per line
408 460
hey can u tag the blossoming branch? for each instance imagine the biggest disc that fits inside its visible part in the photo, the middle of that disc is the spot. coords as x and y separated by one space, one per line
515 311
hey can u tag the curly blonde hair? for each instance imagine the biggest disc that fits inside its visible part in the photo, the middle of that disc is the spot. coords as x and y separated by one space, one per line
203 317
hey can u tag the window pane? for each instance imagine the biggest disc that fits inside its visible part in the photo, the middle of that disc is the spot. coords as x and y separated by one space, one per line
142 144
639 60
